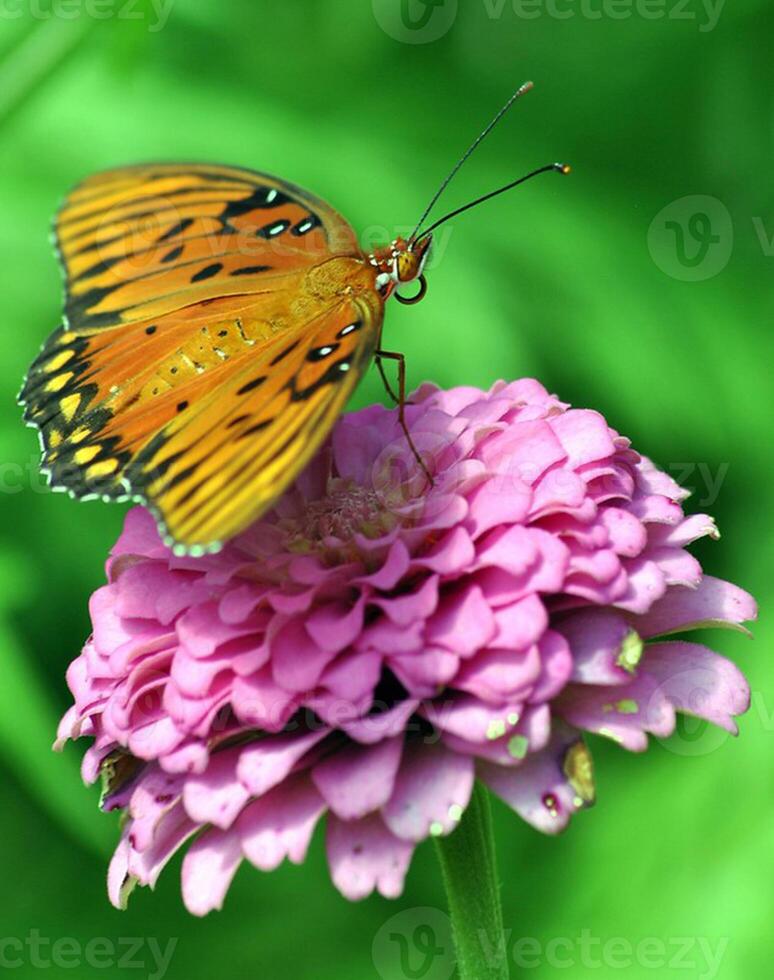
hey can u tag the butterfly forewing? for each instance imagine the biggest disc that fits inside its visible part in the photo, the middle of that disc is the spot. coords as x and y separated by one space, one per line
184 284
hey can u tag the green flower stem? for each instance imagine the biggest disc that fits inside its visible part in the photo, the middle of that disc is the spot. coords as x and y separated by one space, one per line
470 875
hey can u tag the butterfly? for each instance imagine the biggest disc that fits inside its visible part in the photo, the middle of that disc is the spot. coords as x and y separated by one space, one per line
216 321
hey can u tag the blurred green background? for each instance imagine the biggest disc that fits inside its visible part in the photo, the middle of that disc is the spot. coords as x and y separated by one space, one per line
660 320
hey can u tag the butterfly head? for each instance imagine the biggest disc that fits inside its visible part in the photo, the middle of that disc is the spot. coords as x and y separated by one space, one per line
402 261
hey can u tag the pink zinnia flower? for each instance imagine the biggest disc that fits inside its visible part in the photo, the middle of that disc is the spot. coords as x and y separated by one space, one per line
374 644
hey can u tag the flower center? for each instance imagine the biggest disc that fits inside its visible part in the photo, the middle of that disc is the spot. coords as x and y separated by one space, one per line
332 522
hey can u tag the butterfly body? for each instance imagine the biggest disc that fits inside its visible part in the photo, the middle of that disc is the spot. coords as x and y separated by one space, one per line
216 322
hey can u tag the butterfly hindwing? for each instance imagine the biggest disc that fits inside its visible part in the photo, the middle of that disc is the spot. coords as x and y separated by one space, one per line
230 455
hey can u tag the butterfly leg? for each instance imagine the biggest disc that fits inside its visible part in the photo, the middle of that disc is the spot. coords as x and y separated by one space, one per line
401 401
385 379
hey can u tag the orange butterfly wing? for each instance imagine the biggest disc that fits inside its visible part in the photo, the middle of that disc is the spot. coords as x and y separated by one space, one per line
185 284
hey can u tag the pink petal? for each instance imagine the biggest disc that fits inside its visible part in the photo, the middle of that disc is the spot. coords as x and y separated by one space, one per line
239 603
150 590
500 675
469 718
691 529
363 856
118 880
452 554
380 725
356 447
173 830
511 550
208 870
559 492
422 673
154 796
520 624
523 452
538 789
216 796
267 762
556 667
493 505
432 789
699 682
357 780
655 481
259 701
388 638
646 584
354 677
189 757
297 661
392 570
677 566
412 606
627 534
597 638
154 739
712 603
139 536
529 734
335 625
464 623
280 824
656 509
202 631
623 713
584 435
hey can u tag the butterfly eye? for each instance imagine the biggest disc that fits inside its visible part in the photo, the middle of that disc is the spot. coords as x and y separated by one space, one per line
420 293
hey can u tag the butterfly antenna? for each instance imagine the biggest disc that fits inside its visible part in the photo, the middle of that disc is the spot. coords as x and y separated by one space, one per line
521 90
562 168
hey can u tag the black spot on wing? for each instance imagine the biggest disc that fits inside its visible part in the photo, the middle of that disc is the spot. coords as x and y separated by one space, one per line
350 328
251 385
273 229
104 265
176 230
174 254
306 225
180 477
284 353
261 197
334 374
207 272
320 353
250 270
254 429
